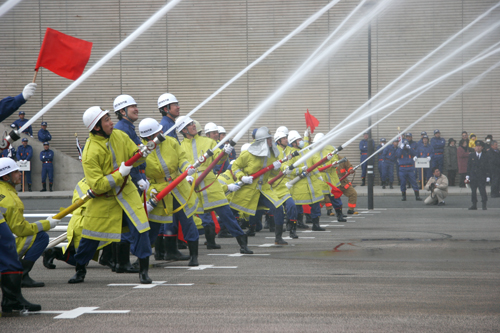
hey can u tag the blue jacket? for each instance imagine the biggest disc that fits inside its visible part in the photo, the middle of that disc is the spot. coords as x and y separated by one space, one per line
425 151
24 153
389 153
44 135
405 156
363 146
413 145
9 105
438 145
20 122
137 173
166 123
380 153
11 152
47 156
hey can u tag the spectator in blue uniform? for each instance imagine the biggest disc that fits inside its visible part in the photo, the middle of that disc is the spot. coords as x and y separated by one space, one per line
43 134
20 123
381 159
390 158
170 110
421 141
425 151
25 153
363 149
407 168
9 105
413 145
47 158
438 143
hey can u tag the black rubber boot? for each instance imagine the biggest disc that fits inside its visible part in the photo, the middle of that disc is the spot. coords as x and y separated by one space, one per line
114 256
50 254
143 271
160 247
193 252
288 225
383 185
404 196
473 207
123 264
293 229
484 205
50 187
300 222
329 212
278 233
210 236
308 218
181 245
272 226
29 187
223 233
12 298
79 277
390 185
171 250
362 182
417 196
44 187
316 226
251 231
106 258
243 223
340 216
243 242
27 281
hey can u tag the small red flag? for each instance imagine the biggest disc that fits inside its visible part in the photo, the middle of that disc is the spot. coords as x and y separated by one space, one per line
64 55
311 121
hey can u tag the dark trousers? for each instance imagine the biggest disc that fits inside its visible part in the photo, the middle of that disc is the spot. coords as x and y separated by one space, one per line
9 261
474 186
47 170
452 174
495 185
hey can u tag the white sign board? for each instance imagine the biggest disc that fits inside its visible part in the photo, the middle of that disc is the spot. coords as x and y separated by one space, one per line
24 166
422 163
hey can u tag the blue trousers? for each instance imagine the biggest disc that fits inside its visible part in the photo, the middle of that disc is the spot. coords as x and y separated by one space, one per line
336 203
47 169
189 229
407 173
9 261
226 218
363 167
276 212
437 161
315 210
388 174
380 168
39 245
27 176
290 209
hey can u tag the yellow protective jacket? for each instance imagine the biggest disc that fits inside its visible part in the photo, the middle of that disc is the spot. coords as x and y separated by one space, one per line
103 217
213 196
75 225
225 179
330 174
246 199
279 186
308 190
12 209
163 165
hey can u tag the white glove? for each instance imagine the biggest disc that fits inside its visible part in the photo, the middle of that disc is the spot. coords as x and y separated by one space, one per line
29 90
320 178
287 171
277 165
401 145
247 179
487 179
153 192
288 185
228 148
467 177
143 185
233 187
429 158
190 179
415 158
149 207
306 133
408 147
304 168
53 222
124 170
190 170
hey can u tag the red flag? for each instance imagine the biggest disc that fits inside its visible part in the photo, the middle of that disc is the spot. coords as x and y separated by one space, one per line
311 121
64 55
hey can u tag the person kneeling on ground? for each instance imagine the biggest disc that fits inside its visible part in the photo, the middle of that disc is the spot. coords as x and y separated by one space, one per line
438 186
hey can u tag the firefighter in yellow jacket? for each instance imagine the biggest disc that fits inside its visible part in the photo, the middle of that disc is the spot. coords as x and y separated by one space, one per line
308 190
116 201
211 195
31 237
256 193
163 165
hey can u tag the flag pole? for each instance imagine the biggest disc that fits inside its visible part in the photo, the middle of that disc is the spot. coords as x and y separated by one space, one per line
34 76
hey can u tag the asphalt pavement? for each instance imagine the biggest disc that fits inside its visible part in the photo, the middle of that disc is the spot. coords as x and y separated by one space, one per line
401 267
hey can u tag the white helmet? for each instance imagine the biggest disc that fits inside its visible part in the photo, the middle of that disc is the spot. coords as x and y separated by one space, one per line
221 129
282 129
278 135
92 116
293 136
211 127
7 165
166 99
123 101
245 147
262 133
182 122
148 127
318 137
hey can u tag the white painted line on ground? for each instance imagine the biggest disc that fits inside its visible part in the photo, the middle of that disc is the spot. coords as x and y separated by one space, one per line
148 286
239 254
200 267
288 237
75 313
329 226
310 231
269 245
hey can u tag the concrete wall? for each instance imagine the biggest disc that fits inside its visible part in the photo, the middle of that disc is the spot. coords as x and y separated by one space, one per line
67 170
